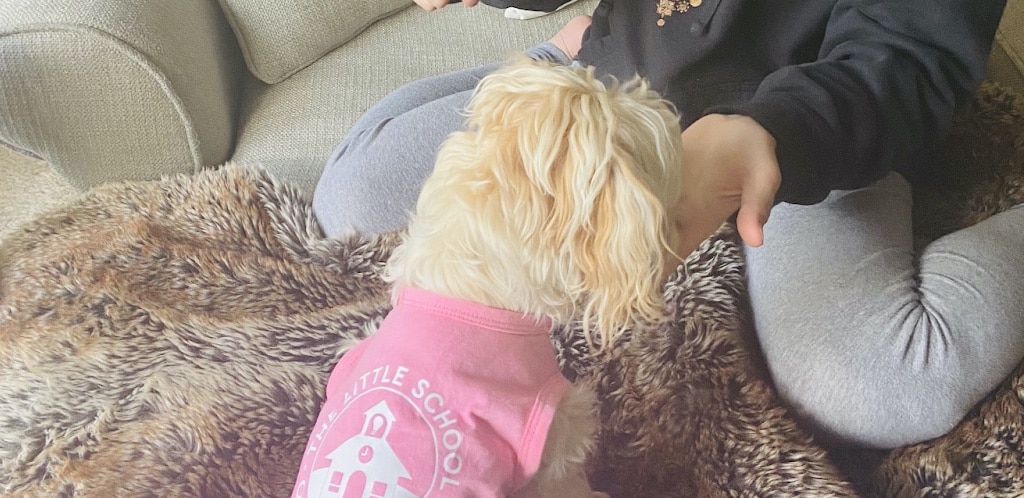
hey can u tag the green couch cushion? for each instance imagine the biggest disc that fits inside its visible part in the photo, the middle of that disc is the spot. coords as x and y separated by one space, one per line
280 37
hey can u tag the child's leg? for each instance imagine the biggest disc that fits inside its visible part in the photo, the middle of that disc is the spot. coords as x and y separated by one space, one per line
870 345
372 180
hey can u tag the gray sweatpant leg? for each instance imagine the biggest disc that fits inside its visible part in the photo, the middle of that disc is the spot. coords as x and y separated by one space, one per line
371 182
871 345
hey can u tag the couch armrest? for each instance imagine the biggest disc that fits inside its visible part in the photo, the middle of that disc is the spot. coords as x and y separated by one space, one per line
110 90
1007 62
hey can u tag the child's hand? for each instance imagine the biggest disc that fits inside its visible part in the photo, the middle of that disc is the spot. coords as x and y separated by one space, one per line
429 5
729 165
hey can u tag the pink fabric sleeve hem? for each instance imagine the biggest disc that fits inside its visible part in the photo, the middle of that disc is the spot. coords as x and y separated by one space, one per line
535 432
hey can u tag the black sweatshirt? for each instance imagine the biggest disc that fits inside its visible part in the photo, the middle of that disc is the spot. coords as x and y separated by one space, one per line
850 89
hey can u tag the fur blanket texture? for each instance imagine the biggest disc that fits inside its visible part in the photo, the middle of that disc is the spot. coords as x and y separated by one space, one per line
174 338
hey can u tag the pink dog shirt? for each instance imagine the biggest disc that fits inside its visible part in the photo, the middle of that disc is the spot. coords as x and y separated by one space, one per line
448 398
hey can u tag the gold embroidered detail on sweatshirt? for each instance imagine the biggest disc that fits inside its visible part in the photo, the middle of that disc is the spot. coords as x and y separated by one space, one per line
667 7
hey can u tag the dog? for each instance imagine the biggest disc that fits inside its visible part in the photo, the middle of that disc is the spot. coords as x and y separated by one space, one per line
553 204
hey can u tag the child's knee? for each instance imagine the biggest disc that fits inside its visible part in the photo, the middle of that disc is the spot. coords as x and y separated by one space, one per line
870 407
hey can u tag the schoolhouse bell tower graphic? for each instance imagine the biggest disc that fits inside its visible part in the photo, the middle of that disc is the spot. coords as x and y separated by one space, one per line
364 466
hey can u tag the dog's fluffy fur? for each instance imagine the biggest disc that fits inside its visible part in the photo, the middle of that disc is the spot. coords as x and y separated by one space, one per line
555 201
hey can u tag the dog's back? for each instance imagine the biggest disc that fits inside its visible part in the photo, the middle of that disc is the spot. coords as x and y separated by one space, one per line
554 201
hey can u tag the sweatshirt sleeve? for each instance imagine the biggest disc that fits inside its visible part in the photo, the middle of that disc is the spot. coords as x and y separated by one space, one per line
884 88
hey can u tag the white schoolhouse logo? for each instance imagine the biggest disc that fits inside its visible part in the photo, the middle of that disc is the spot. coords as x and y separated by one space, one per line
392 438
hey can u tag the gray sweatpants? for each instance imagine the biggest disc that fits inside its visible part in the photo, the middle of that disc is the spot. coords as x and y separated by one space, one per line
868 343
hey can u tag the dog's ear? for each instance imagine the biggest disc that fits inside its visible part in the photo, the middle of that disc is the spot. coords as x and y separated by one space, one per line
602 162
619 240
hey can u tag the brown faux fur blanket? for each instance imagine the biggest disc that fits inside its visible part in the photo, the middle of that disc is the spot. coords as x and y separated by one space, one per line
174 338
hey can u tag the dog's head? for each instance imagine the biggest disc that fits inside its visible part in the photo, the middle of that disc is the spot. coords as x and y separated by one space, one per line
555 199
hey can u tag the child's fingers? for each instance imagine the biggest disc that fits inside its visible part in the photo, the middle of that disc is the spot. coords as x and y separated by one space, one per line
756 203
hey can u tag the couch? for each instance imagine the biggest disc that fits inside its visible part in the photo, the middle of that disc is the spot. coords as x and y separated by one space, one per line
111 90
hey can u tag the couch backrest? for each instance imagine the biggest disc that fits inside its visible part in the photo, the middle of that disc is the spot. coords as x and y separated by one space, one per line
280 37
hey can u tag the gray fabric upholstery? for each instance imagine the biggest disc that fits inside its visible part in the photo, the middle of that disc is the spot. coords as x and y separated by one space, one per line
292 127
280 37
112 90
1007 62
